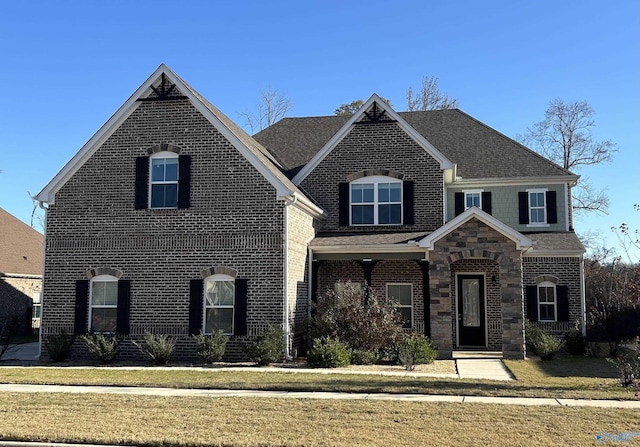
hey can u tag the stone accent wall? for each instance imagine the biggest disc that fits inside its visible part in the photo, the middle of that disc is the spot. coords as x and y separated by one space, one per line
474 239
300 232
16 299
567 271
234 221
383 146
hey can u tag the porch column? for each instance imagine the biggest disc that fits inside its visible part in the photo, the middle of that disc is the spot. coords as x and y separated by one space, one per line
426 296
367 267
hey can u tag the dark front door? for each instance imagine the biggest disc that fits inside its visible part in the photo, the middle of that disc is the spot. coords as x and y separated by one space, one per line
471 319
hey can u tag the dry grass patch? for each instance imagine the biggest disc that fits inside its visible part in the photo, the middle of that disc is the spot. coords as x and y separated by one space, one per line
147 420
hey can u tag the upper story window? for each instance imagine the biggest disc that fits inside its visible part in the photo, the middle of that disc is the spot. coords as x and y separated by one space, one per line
537 207
163 185
103 304
472 198
219 304
376 200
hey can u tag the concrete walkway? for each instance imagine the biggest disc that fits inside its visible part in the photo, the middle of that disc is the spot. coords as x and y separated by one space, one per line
147 391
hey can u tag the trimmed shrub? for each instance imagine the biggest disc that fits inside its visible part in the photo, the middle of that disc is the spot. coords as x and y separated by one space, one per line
267 347
157 348
533 335
627 362
576 342
211 347
361 357
328 353
103 347
547 346
59 346
353 314
415 349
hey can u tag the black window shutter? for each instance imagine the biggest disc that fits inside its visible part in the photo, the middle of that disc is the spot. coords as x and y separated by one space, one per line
552 208
523 207
407 202
124 304
343 204
459 203
563 303
532 303
486 202
240 308
81 307
142 183
196 304
184 181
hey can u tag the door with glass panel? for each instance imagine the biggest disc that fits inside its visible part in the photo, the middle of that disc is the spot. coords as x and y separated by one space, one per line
471 314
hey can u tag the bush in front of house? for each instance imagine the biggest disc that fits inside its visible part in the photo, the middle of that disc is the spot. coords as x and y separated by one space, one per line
104 347
267 347
627 362
362 357
352 313
211 347
328 353
157 348
415 349
541 342
574 340
59 346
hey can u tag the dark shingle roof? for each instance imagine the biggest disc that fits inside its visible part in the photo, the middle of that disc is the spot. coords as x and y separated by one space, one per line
330 240
555 242
20 247
477 149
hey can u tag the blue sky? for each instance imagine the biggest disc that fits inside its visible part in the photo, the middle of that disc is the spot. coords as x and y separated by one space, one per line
67 66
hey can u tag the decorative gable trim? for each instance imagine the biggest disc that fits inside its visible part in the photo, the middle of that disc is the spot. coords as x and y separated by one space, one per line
382 109
280 183
521 241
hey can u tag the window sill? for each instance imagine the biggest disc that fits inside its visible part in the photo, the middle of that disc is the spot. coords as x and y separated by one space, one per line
538 225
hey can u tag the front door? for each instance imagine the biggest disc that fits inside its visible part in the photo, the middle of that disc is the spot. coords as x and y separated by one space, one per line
471 318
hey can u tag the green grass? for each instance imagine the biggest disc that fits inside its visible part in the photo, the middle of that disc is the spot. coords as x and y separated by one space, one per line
188 421
563 377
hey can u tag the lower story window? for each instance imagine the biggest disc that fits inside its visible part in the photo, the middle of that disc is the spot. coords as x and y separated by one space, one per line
37 307
403 295
219 304
103 304
547 302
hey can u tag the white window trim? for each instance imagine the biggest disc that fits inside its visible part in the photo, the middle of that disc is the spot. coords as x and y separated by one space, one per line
165 154
411 306
473 191
376 180
548 284
218 277
544 193
100 278
36 298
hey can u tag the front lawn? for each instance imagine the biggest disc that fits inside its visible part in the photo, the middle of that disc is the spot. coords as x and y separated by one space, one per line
205 421
563 377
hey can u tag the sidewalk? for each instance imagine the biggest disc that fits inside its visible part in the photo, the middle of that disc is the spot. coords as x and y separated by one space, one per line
147 391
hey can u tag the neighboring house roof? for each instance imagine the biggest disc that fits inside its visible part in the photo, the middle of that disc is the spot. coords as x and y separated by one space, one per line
478 150
257 155
20 247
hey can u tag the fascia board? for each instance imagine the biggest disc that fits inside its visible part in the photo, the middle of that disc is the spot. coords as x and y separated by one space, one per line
520 240
515 181
47 195
335 140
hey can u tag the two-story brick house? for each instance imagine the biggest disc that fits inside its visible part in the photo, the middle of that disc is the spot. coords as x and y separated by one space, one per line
172 219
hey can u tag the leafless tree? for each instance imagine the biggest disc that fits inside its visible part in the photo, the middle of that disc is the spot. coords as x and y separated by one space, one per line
429 97
272 107
37 219
564 136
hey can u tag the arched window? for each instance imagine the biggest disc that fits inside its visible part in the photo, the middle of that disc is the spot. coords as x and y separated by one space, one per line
219 303
375 200
103 303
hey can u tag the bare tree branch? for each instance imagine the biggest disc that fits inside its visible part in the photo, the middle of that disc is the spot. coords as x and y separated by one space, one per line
272 107
429 97
564 136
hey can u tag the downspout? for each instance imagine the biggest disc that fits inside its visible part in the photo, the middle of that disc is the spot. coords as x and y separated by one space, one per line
289 200
44 254
583 297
